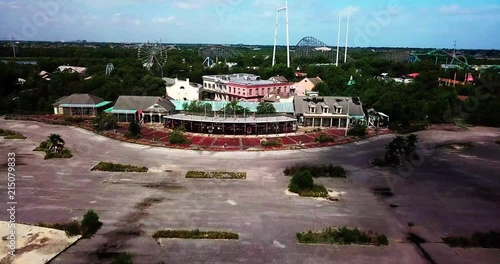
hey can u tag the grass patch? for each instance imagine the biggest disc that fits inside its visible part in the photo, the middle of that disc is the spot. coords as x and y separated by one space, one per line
316 191
482 240
10 134
324 138
115 167
343 236
455 146
271 143
64 154
330 171
194 234
72 228
215 175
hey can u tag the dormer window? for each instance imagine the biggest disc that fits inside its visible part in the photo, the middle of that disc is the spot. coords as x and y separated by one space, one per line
312 108
182 88
338 108
325 108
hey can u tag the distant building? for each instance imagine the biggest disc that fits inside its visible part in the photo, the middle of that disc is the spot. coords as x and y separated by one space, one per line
72 69
279 79
242 87
183 89
145 109
307 84
328 111
80 105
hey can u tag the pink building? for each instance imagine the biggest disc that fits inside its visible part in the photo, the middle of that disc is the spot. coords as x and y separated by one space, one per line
242 87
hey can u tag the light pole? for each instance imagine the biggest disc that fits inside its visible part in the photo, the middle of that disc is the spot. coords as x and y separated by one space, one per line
347 120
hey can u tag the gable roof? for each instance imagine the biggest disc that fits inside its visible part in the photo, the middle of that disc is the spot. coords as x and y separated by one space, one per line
79 99
126 102
302 104
279 78
315 80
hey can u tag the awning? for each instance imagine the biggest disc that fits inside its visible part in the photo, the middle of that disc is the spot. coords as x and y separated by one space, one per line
124 111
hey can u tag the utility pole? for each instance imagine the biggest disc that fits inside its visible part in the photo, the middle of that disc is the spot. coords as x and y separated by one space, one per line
338 40
287 38
13 47
347 34
276 33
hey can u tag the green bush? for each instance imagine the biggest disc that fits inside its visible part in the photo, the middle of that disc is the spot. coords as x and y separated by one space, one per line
90 224
357 130
72 228
123 258
134 130
216 175
64 154
194 234
484 240
315 191
9 134
271 143
324 138
104 121
343 236
74 119
108 166
302 180
177 137
332 171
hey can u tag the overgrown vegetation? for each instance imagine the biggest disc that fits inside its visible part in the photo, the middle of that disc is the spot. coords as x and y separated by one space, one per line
358 129
54 148
271 142
104 121
332 171
216 175
10 134
343 236
399 150
484 240
89 225
177 137
324 138
74 119
265 108
115 167
194 234
134 130
302 183
123 258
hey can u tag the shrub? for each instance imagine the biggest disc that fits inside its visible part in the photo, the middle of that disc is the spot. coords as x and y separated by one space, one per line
108 166
484 240
123 258
333 171
271 143
177 137
64 154
134 130
194 234
358 130
315 191
324 138
74 119
90 224
72 228
302 180
343 236
104 121
216 175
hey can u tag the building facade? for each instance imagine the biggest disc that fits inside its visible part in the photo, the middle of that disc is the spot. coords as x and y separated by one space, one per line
242 87
80 105
183 89
144 109
328 111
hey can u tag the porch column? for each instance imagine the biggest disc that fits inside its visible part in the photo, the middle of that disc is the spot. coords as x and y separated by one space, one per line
321 122
313 122
331 122
151 118
339 122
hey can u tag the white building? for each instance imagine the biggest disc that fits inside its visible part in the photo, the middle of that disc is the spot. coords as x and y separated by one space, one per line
183 90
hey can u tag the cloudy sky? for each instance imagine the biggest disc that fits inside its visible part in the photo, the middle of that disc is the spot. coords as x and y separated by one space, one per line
395 23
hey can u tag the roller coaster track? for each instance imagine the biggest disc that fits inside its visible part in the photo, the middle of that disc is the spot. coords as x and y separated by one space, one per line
459 60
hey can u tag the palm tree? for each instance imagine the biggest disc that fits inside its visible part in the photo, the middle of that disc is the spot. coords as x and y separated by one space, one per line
411 144
56 143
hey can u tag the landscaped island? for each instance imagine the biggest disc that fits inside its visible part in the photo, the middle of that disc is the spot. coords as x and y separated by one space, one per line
194 234
343 236
215 175
114 167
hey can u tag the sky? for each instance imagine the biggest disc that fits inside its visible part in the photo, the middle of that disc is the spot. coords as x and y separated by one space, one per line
381 23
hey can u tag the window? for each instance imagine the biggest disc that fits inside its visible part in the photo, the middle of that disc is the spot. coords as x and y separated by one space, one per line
250 92
338 110
268 90
262 91
182 88
312 109
326 110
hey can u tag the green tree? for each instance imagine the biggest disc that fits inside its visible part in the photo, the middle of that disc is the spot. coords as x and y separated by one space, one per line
56 143
234 108
90 224
134 129
265 108
301 181
104 121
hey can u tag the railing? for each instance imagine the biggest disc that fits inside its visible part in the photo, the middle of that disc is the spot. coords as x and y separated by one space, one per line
231 115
